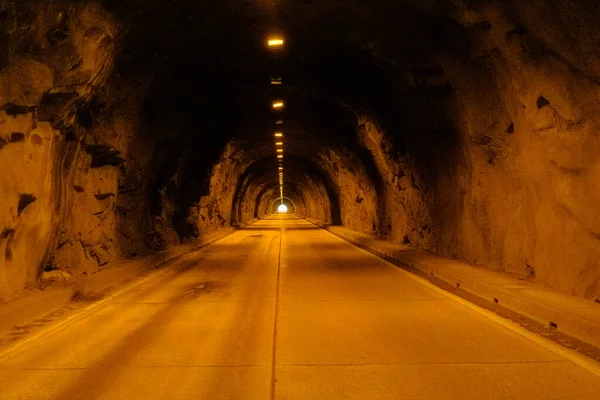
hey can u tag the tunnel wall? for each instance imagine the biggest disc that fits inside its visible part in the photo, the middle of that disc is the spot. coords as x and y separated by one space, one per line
91 173
496 160
526 201
356 192
39 156
403 214
481 142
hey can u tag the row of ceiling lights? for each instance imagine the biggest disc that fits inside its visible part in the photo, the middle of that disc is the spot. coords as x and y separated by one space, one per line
276 44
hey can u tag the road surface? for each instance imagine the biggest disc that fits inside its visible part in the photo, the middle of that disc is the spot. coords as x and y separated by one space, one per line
283 310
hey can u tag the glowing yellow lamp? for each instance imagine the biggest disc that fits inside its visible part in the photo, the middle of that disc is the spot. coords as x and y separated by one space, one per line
275 42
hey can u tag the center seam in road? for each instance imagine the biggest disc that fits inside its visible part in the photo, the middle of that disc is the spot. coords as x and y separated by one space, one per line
274 355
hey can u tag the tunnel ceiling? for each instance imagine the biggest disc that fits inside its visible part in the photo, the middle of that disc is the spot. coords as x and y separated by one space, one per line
339 57
148 123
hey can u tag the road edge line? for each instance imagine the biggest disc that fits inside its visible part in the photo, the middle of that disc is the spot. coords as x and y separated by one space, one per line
15 348
575 357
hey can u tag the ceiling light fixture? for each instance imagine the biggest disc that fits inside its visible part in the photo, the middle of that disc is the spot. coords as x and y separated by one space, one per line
278 104
275 42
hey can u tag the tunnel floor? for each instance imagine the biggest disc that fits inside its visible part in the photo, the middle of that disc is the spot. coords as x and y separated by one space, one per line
284 310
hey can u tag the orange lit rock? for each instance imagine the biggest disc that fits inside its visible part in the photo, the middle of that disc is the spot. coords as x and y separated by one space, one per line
461 128
23 82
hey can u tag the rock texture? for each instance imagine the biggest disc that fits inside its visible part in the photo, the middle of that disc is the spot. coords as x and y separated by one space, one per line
465 128
70 57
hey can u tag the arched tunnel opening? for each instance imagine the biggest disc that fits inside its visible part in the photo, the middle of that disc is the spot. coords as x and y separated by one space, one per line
286 202
467 130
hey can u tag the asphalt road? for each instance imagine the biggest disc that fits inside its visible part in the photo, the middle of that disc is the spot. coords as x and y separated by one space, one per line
287 311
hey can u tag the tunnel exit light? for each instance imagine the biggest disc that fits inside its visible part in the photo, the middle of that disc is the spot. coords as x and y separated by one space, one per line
282 208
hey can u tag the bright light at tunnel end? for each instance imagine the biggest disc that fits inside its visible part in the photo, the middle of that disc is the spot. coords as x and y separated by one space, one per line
282 208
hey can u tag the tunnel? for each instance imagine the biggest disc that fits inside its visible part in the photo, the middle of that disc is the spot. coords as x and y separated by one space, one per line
464 129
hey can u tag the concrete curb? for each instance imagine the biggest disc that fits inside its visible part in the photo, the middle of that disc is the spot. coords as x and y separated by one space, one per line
571 315
41 304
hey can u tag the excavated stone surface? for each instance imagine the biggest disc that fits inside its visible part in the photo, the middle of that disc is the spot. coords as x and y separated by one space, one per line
37 154
465 128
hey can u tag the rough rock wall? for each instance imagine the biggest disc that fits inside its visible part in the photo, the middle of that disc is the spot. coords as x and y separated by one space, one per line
343 192
182 210
108 218
489 153
404 215
91 171
497 156
358 202
496 159
258 198
32 207
316 203
216 207
57 56
530 165
270 200
309 198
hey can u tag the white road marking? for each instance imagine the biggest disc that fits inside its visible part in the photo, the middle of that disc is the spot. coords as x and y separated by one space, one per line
577 358
80 314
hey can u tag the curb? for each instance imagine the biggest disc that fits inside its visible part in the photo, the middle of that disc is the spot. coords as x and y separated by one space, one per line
559 311
120 285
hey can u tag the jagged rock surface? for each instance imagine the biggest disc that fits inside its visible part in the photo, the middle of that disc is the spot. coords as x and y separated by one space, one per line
465 128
